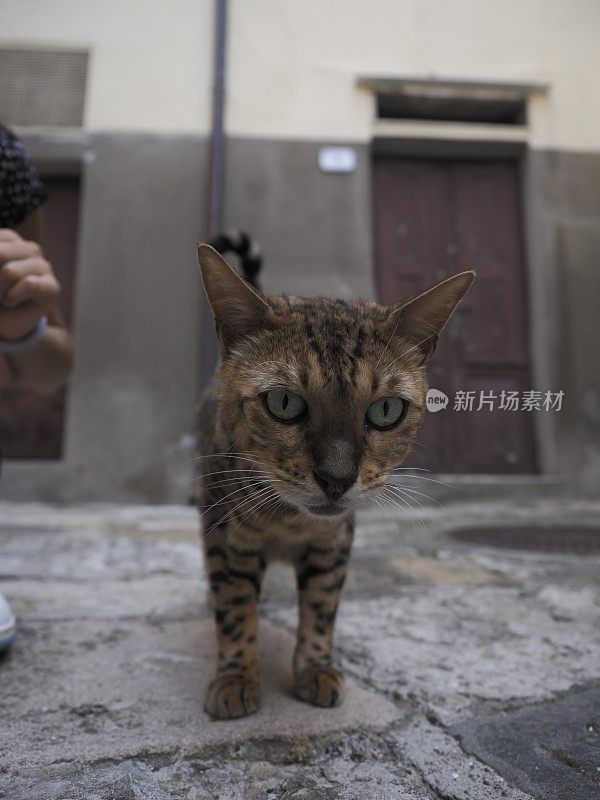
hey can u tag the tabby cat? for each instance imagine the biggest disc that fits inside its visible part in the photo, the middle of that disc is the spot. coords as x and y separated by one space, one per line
315 401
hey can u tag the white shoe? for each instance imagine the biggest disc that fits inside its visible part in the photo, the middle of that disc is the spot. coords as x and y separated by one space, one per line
7 624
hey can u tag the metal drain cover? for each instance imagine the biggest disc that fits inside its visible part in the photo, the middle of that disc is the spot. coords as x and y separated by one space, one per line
580 541
551 750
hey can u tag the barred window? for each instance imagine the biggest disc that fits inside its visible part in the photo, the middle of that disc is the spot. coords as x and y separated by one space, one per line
42 86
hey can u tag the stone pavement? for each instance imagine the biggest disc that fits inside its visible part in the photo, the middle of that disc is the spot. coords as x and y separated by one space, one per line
474 671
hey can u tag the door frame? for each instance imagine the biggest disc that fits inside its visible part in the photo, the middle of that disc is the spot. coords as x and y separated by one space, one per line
538 290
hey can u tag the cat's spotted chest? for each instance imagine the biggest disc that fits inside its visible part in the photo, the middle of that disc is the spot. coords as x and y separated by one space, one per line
314 403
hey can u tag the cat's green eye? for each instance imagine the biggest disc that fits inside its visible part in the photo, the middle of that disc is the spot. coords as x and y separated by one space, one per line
284 405
386 412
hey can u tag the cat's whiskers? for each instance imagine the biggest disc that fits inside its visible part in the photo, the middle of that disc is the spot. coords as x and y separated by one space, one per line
403 505
380 505
230 455
225 472
278 502
420 444
235 479
232 511
396 503
425 478
256 483
410 469
240 478
235 473
404 488
429 497
286 479
398 492
444 507
264 502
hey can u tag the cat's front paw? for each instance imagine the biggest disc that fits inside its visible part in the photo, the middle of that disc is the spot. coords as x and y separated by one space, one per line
232 696
320 686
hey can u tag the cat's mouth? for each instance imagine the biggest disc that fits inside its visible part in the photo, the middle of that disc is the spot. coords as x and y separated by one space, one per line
323 507
329 509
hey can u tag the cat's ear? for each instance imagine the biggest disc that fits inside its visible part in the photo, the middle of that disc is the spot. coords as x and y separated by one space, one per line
237 308
422 319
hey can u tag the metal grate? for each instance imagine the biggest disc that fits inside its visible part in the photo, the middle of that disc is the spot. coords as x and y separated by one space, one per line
42 86
580 541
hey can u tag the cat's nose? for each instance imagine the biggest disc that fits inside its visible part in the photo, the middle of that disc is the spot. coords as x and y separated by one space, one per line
334 486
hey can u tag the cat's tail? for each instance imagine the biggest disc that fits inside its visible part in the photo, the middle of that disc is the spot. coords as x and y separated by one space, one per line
246 248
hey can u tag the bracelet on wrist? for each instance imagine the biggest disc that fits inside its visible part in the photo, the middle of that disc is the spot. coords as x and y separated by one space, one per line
28 342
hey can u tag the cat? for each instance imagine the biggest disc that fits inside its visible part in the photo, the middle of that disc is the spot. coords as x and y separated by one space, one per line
314 402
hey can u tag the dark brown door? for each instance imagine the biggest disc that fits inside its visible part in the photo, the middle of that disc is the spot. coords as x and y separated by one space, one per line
31 425
433 219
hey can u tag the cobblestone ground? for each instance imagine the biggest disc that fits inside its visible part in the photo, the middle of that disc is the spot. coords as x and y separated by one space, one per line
474 671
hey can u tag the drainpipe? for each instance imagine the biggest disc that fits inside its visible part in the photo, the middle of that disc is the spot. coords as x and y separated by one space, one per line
216 177
217 139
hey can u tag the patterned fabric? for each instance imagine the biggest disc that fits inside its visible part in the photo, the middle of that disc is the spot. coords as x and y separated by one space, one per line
21 190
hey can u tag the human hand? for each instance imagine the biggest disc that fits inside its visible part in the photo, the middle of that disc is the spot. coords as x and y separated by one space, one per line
29 289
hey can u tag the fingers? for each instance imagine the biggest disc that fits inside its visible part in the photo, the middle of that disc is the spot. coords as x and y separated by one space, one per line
13 249
14 271
8 235
27 284
41 289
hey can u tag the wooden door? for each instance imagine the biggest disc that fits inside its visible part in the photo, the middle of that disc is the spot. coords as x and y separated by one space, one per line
31 425
433 219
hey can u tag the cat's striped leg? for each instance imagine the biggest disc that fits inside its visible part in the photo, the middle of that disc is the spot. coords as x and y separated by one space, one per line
321 573
235 572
